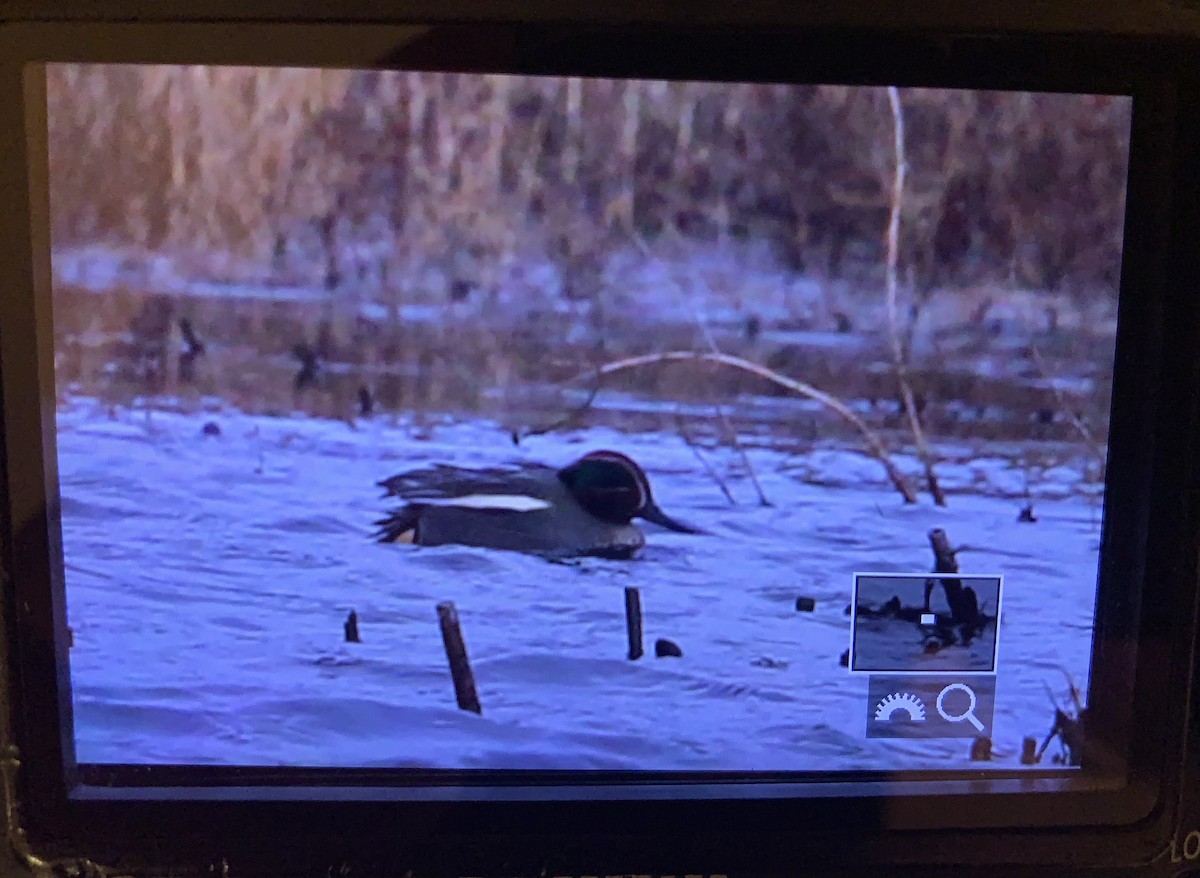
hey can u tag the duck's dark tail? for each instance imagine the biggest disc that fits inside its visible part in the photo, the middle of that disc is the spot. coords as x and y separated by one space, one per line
401 526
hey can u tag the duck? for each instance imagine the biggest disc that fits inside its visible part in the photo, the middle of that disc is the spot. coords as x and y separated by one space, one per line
585 509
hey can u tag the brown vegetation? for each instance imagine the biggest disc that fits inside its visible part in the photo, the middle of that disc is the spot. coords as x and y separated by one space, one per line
1022 187
932 216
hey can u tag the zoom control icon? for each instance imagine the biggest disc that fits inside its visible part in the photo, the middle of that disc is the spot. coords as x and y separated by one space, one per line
968 713
920 706
912 708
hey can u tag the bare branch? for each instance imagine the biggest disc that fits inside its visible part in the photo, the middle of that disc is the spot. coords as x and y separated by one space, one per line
708 467
567 420
1077 422
874 443
727 425
893 255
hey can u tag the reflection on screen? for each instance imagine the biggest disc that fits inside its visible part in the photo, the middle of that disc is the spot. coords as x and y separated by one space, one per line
460 421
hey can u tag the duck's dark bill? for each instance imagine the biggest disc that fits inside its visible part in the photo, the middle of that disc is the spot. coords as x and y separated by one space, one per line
458 289
656 516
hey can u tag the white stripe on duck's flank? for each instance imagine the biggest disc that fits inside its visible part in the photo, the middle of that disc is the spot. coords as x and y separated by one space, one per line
510 502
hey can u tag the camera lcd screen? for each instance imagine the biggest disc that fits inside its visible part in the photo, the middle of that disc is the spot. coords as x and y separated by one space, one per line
418 420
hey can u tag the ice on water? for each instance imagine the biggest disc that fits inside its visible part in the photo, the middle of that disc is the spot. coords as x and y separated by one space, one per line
208 579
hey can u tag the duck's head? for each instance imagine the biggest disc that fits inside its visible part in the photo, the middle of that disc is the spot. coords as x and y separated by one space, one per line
613 488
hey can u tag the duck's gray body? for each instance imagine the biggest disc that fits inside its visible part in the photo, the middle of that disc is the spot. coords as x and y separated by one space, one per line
532 508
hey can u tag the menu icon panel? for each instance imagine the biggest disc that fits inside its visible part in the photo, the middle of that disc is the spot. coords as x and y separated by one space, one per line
926 706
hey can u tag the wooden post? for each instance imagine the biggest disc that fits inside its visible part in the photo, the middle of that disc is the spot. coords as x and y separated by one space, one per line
943 555
456 652
633 622
350 626
945 561
981 749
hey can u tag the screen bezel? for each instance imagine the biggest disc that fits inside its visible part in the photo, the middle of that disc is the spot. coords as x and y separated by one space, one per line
1143 531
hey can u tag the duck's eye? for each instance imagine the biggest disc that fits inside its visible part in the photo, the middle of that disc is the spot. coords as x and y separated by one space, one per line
616 503
605 488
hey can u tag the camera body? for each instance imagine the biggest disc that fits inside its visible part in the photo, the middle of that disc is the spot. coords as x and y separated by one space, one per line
1138 811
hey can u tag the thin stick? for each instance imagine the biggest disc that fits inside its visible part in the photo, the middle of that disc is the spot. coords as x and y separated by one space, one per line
633 622
737 445
1074 690
893 254
727 425
456 652
708 467
874 443
1080 427
566 420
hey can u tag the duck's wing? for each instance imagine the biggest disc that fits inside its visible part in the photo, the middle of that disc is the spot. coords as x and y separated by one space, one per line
475 501
445 482
399 526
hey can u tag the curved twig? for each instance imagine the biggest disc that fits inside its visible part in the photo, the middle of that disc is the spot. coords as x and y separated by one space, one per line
566 420
874 443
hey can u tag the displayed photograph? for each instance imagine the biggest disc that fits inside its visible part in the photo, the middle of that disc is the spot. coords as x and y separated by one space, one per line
417 420
956 619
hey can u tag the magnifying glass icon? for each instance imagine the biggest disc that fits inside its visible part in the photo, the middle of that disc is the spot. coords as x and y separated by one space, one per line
968 714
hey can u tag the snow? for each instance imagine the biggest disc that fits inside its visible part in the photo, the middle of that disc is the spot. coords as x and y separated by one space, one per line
208 579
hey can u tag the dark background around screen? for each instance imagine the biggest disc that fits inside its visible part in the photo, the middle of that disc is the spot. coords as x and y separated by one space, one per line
1181 19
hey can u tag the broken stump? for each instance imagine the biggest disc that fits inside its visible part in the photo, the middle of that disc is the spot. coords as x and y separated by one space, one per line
350 627
664 648
981 749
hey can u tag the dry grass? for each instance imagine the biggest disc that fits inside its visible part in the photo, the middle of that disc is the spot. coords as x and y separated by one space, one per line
445 187
460 168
